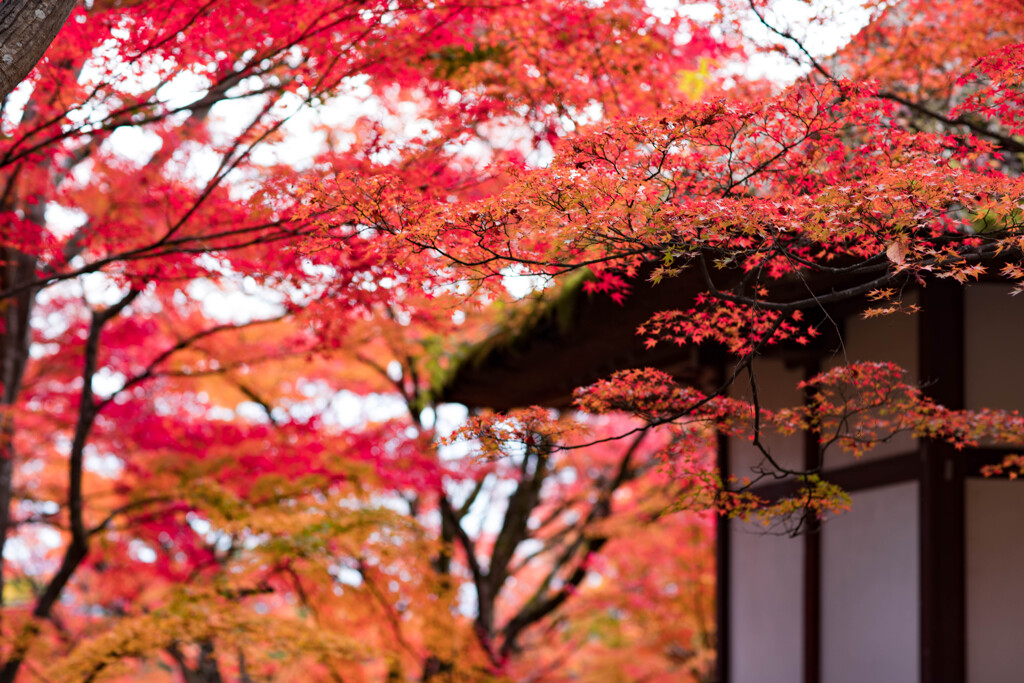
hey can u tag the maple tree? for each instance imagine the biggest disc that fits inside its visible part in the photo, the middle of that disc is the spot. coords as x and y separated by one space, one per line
189 486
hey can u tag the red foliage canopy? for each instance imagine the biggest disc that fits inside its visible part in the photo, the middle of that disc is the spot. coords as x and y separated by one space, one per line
244 240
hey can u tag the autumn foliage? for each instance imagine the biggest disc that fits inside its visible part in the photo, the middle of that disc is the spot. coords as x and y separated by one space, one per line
246 243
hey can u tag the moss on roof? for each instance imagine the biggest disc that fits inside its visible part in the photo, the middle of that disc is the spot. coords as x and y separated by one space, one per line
521 320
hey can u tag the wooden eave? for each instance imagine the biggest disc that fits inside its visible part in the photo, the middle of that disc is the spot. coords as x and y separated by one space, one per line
573 339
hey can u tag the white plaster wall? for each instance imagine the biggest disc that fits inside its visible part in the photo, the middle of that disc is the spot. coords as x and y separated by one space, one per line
870 589
995 590
766 606
892 338
994 362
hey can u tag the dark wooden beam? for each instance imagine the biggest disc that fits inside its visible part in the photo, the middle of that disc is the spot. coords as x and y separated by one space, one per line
865 475
573 340
722 574
891 470
942 542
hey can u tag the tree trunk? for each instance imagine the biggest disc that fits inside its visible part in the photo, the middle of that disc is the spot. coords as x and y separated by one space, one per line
15 268
206 669
27 27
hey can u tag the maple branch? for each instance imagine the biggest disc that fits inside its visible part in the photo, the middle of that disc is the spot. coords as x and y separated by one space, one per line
451 521
396 383
517 516
150 370
541 603
558 267
87 415
251 394
799 304
451 526
125 115
164 248
243 670
743 364
551 543
1005 141
123 509
778 470
96 89
207 670
815 64
389 614
78 547
303 594
471 498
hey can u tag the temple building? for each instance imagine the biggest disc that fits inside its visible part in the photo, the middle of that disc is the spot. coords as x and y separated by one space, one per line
920 580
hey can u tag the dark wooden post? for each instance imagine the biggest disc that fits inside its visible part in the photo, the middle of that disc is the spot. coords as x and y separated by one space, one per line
942 546
812 559
722 574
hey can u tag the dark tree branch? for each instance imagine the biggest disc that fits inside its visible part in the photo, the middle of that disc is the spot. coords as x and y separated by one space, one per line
78 547
15 268
515 526
544 603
